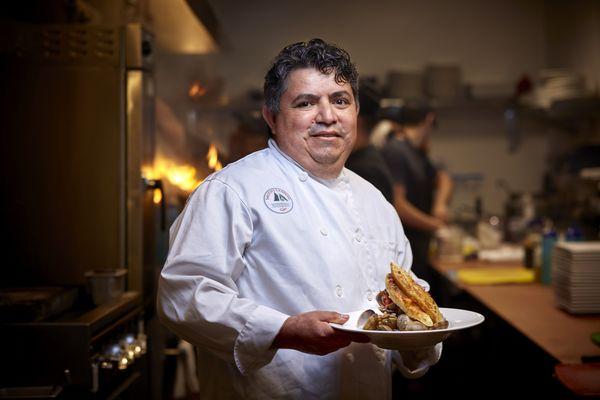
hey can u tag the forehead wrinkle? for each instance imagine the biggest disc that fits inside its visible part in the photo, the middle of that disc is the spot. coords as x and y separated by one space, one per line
296 78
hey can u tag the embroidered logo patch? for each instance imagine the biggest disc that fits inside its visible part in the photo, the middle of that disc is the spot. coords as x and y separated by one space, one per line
278 200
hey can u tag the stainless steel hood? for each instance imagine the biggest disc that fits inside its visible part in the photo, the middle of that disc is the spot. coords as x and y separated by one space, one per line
185 27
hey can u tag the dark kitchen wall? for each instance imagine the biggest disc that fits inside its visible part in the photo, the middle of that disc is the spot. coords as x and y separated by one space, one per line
493 41
573 35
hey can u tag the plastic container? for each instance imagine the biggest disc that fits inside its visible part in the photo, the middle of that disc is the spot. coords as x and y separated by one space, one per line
106 285
450 244
443 81
405 84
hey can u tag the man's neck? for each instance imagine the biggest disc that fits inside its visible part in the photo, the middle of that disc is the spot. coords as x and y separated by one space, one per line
314 168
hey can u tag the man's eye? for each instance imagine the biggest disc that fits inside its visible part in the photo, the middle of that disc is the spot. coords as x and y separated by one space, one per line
303 104
342 102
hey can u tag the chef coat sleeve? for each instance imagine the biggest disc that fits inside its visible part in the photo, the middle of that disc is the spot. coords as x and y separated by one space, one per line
198 298
413 364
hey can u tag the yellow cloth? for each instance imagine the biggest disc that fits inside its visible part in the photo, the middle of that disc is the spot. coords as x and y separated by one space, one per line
493 275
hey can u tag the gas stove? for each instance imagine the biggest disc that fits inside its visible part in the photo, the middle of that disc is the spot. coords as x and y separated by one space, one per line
85 352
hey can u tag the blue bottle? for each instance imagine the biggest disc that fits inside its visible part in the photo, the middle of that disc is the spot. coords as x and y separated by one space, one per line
548 242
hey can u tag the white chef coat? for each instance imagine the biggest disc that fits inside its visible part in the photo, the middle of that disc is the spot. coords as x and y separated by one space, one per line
261 240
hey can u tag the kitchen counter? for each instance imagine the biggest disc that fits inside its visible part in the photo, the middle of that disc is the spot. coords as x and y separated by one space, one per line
530 309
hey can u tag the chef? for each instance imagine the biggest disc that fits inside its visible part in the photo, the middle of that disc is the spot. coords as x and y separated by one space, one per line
271 249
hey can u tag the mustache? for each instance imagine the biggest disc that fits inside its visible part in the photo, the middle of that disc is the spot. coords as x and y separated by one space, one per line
317 129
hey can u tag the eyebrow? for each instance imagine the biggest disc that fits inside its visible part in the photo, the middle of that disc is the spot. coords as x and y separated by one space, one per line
340 94
312 97
305 96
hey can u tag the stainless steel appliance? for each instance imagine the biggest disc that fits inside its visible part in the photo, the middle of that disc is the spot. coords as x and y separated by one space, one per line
78 125
77 128
94 353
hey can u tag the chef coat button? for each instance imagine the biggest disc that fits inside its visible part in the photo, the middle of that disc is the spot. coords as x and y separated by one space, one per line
339 292
369 295
380 354
358 235
303 177
323 231
350 357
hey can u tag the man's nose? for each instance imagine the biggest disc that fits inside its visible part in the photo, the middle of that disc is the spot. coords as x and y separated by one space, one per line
326 113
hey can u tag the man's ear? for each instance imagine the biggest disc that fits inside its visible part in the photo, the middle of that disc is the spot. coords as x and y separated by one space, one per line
269 118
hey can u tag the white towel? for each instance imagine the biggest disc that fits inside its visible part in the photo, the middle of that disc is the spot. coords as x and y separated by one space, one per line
186 379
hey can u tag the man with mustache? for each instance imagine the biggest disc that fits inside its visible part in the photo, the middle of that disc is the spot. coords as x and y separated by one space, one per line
277 245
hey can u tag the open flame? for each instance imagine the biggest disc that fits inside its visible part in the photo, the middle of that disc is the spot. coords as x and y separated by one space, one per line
157 196
196 90
213 158
183 176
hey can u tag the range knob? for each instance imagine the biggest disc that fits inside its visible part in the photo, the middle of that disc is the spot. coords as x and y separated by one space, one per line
117 356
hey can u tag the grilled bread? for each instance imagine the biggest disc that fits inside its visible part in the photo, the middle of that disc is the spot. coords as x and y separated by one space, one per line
415 294
410 307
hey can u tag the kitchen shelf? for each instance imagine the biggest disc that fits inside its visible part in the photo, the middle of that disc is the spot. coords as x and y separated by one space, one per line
574 109
487 108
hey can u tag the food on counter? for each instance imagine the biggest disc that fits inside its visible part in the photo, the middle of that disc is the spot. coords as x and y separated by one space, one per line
405 305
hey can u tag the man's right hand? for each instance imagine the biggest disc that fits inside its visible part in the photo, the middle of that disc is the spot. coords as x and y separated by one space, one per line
311 333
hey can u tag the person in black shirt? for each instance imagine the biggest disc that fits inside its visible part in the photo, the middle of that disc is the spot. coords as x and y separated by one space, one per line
365 159
421 191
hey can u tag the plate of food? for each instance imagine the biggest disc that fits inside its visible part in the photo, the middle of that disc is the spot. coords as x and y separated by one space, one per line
408 318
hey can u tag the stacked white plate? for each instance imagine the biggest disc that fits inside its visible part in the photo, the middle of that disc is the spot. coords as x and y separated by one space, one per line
557 84
576 276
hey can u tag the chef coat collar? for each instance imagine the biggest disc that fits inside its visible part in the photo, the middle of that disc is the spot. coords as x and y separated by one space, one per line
331 183
334 183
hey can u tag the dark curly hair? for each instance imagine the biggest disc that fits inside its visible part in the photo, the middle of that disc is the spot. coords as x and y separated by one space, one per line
315 53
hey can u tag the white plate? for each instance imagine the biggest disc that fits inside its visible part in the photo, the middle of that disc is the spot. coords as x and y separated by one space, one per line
409 340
